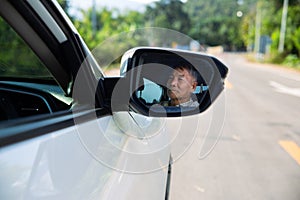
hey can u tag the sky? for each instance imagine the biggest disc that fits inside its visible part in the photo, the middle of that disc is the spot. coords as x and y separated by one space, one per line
138 5
120 4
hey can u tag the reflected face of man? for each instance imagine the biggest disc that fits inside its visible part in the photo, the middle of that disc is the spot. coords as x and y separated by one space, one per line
181 84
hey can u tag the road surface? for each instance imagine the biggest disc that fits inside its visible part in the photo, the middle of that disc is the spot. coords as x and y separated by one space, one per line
258 154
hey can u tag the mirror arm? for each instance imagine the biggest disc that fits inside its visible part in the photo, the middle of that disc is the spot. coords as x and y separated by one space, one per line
106 87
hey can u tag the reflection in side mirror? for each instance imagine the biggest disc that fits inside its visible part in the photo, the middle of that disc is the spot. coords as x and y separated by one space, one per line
167 82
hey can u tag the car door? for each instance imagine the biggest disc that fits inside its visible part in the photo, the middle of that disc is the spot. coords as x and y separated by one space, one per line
57 143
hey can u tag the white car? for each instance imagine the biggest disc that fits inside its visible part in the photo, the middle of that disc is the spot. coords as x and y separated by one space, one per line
69 132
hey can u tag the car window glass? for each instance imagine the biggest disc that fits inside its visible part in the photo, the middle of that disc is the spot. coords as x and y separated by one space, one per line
151 92
16 58
27 88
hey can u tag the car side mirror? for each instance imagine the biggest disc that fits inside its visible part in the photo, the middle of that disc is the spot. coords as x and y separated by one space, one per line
163 82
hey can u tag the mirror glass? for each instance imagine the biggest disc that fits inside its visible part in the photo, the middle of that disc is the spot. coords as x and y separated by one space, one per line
172 79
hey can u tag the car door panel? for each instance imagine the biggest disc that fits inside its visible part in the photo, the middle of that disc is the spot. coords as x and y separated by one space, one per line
60 165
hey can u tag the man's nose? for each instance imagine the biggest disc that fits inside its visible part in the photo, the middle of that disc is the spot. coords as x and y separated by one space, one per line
173 81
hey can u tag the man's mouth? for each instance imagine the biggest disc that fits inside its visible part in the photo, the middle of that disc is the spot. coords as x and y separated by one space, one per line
172 92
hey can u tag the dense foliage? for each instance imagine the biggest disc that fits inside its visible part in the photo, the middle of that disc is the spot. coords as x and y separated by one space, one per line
271 14
230 23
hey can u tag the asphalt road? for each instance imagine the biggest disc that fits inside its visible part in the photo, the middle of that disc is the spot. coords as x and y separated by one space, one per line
258 154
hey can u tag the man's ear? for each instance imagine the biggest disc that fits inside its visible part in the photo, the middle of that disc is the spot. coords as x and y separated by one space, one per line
194 85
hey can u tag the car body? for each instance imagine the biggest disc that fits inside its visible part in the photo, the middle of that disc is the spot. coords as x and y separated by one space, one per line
59 141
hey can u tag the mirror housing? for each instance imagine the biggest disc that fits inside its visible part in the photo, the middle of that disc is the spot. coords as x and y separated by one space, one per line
143 86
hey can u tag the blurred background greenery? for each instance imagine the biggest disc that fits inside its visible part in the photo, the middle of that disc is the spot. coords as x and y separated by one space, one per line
251 26
231 24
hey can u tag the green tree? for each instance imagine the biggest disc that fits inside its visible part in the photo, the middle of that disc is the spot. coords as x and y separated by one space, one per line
215 22
271 12
296 40
65 4
108 24
168 14
293 30
110 38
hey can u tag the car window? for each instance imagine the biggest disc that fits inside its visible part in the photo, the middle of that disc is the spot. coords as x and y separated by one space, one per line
27 88
16 58
151 93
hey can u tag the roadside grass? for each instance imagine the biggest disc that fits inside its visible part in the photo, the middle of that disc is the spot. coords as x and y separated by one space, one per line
290 61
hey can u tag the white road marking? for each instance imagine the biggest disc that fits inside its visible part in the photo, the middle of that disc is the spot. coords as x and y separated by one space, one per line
199 189
236 137
284 89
